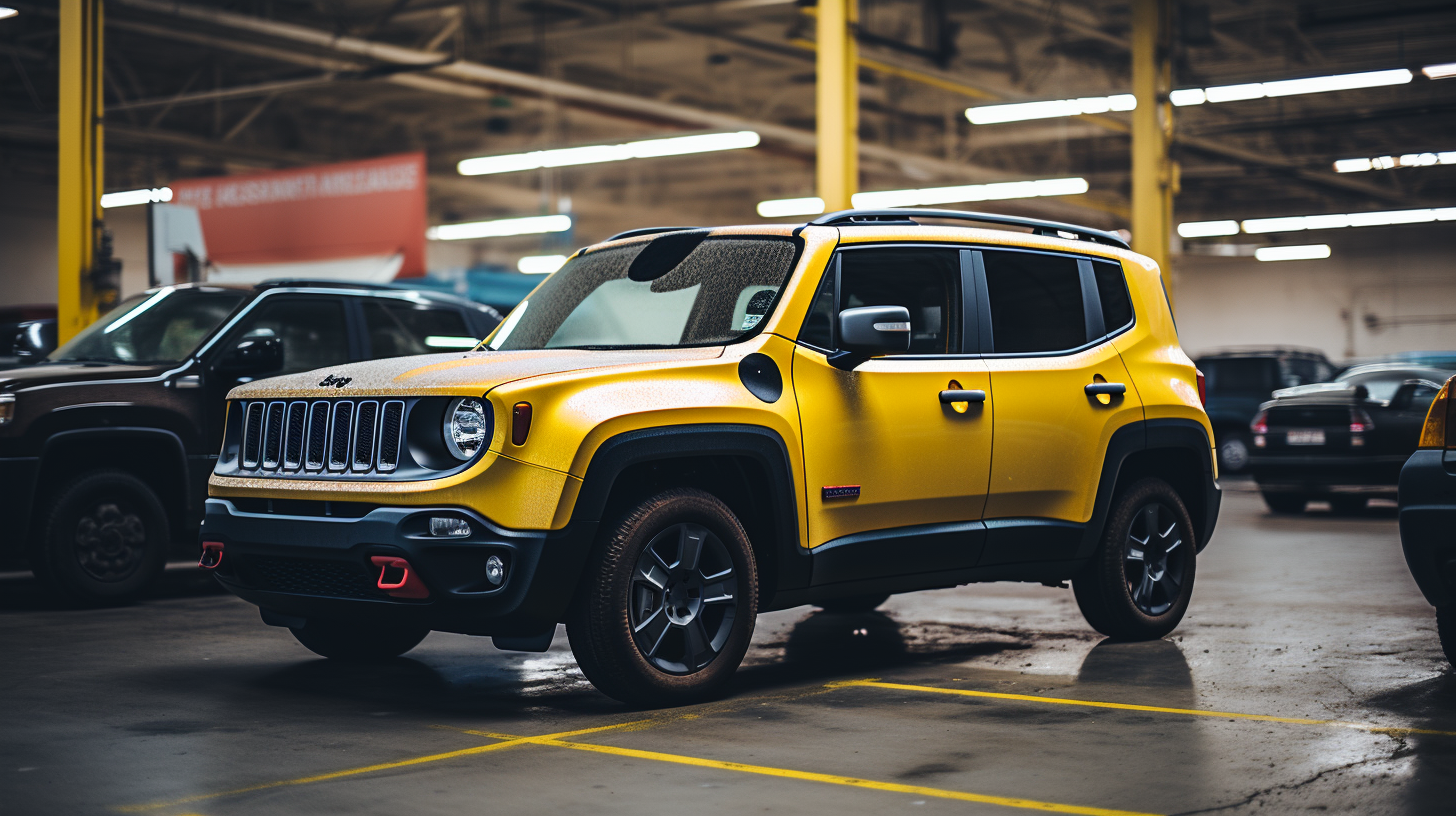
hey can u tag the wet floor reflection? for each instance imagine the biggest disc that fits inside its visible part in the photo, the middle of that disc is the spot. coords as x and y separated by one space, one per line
1431 705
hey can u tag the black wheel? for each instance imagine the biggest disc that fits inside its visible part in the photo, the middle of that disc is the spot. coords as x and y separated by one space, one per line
1138 584
347 640
856 603
667 603
1347 505
1446 628
1233 453
104 539
1285 502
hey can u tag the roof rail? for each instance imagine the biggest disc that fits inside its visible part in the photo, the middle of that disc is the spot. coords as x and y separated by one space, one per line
275 283
648 231
865 218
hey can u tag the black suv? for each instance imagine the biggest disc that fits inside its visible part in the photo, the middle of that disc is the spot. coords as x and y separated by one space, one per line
106 444
1239 380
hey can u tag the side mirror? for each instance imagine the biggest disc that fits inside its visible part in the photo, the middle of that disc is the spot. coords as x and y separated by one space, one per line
870 330
35 340
257 353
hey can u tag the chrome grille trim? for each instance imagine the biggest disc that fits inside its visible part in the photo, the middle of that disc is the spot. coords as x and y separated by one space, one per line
322 438
252 446
366 425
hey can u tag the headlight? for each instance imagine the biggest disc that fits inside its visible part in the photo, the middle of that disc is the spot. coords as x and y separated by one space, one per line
467 427
7 408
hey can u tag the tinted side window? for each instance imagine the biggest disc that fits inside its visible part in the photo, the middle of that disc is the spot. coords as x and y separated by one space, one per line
1112 291
313 331
817 330
1036 302
924 281
398 328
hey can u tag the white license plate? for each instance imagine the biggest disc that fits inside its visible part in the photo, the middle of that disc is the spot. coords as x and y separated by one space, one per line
1314 437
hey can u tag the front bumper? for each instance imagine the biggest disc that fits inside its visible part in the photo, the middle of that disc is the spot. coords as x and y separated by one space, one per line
1370 475
319 566
1428 523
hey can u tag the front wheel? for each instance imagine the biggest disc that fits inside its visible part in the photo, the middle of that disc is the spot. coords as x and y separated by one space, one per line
1137 585
1446 628
667 602
105 539
343 640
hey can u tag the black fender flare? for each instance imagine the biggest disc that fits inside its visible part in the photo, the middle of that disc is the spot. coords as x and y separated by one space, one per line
170 445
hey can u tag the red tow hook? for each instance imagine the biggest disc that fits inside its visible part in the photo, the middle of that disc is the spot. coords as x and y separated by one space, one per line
397 578
211 555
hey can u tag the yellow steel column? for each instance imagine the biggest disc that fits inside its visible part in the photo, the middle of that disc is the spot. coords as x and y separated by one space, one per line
78 196
837 104
1154 178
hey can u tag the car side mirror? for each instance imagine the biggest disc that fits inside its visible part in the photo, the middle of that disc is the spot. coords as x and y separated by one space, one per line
255 354
35 340
868 331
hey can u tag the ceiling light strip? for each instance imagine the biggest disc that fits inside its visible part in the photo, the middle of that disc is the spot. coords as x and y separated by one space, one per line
1299 223
930 196
597 154
131 198
1392 162
500 228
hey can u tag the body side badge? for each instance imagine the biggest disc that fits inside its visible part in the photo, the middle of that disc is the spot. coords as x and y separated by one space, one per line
840 492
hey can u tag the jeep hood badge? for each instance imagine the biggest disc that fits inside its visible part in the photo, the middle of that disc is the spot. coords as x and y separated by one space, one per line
337 382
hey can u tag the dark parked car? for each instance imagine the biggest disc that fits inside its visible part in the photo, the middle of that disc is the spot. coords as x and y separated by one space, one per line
1428 515
107 443
1239 380
1343 441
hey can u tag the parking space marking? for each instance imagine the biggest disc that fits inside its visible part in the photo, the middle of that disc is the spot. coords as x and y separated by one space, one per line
382 766
810 776
1192 712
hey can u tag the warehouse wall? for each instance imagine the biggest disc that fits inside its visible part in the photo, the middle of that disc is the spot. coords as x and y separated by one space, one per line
27 243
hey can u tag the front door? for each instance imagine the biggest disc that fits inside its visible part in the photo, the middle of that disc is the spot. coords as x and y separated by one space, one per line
896 479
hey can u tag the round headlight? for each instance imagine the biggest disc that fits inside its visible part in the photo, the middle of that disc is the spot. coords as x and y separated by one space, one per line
467 428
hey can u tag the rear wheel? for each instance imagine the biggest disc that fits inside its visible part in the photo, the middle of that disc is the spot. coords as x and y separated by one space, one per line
856 603
1138 584
105 539
667 603
1233 453
1285 502
1446 628
345 640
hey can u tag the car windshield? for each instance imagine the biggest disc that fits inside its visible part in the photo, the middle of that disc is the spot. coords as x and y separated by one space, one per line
162 326
683 289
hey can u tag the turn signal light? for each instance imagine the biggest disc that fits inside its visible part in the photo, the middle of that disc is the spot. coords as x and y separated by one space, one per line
520 423
1437 432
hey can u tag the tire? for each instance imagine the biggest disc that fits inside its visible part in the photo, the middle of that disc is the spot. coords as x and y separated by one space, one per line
104 539
1285 502
354 642
1347 505
857 603
667 602
1233 453
1123 592
1446 628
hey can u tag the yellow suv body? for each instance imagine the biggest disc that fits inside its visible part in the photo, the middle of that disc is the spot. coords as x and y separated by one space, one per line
680 429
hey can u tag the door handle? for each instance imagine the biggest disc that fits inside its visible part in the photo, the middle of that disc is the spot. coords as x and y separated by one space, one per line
948 396
1097 389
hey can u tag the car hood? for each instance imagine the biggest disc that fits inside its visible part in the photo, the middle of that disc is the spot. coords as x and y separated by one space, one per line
473 372
17 379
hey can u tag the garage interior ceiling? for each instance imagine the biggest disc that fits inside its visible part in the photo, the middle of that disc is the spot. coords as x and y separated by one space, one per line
205 88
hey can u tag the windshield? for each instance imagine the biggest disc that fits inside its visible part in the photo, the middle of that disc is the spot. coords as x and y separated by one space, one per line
163 326
684 289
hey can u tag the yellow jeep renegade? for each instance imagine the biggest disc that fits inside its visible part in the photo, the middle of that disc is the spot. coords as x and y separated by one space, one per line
682 428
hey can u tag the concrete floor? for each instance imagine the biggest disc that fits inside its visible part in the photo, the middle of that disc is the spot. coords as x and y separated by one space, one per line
187 704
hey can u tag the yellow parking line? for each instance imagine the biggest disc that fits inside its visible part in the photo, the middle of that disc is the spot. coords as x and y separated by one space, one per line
382 766
1192 712
810 776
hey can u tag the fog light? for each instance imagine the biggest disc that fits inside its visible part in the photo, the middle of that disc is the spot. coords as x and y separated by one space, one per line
449 527
495 570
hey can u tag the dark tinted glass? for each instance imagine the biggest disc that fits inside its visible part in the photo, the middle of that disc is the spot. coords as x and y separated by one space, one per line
1036 302
1241 375
162 326
924 281
397 328
312 330
817 330
1112 291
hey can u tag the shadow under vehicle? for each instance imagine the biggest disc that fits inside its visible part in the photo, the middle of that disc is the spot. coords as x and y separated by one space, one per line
1428 514
1343 441
1239 380
107 442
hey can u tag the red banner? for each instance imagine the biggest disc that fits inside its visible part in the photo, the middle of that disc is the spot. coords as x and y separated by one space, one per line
330 212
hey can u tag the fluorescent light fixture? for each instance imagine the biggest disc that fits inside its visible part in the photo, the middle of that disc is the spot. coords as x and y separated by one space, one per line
1309 252
444 341
781 207
133 197
1391 162
6 11
1443 71
1022 111
540 264
1206 229
500 228
596 154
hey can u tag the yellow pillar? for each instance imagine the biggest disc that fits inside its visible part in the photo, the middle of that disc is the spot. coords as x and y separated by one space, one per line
837 104
1154 177
78 224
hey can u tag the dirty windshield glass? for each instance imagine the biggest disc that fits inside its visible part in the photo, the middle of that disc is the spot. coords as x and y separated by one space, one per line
163 326
681 290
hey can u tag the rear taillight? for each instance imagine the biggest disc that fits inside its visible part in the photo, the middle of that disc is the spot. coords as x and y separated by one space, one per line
1438 431
1202 388
1360 422
1260 425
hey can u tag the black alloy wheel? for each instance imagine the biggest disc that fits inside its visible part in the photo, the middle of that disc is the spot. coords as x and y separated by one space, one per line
105 538
1138 583
684 594
1446 630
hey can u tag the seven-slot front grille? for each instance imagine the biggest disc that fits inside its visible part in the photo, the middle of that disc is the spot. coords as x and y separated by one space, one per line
338 436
